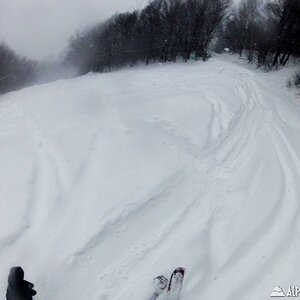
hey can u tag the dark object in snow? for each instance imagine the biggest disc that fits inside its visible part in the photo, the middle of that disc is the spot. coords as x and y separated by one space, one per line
175 284
174 287
160 283
18 288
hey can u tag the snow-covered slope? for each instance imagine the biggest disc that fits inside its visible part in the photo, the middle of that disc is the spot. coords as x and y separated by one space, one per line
109 180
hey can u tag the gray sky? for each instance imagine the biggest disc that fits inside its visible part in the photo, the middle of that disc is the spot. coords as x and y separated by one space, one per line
41 28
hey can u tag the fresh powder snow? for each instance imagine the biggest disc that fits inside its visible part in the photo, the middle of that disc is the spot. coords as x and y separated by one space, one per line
109 180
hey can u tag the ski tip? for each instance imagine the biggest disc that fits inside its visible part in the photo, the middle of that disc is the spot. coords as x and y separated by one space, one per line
176 279
180 270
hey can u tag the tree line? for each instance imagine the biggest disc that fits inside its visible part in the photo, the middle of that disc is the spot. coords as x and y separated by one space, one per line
15 71
164 30
18 72
267 33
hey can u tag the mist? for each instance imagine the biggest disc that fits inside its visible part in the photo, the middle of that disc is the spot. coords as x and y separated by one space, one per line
41 29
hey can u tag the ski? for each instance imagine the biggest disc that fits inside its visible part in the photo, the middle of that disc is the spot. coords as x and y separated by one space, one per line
160 283
175 284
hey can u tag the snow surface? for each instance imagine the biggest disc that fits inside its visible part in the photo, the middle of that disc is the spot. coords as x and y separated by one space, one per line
109 180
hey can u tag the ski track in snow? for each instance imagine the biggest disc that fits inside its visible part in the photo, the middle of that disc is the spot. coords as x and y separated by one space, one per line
176 170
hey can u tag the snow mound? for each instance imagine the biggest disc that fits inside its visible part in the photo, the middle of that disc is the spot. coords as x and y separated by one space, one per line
109 180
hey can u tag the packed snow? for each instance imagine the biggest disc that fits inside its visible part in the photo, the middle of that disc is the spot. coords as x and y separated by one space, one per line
109 180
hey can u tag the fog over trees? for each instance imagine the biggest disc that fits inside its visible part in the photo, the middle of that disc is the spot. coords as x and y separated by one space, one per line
15 72
18 72
267 33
